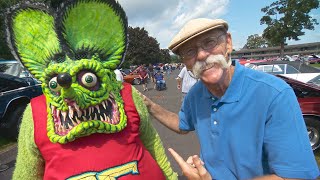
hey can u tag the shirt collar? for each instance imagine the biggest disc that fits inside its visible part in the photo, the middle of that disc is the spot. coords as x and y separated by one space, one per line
233 92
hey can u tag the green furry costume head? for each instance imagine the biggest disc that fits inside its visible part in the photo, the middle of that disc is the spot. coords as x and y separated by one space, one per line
73 51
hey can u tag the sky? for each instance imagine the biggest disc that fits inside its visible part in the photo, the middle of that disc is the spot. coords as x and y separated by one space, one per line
164 18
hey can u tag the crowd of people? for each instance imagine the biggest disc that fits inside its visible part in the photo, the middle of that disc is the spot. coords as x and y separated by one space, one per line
155 74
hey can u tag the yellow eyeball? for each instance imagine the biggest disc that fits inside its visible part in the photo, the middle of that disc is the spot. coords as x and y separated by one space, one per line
89 79
53 85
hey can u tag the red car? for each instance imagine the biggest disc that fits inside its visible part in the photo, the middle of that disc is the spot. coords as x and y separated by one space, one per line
313 59
248 61
309 99
131 77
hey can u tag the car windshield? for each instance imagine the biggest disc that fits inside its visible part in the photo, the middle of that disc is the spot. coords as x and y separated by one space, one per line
11 68
275 68
315 80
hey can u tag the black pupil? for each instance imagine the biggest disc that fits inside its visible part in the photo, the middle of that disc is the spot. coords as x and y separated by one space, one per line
53 84
89 79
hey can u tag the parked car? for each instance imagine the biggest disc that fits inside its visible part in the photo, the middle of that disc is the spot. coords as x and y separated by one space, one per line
312 59
315 80
131 77
308 96
249 61
17 87
292 69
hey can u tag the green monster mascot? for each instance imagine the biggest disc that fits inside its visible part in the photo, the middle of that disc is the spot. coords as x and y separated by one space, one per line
86 125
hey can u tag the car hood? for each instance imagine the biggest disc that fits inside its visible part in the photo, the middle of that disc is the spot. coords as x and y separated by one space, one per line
8 82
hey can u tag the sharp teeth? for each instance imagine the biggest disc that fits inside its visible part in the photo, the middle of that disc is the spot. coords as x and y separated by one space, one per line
70 112
84 118
60 128
53 108
78 120
63 129
95 117
104 104
101 118
79 112
105 117
64 115
56 127
85 112
117 120
108 119
98 108
89 110
58 114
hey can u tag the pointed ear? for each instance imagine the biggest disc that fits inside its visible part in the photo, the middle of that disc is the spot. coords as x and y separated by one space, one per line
31 36
97 28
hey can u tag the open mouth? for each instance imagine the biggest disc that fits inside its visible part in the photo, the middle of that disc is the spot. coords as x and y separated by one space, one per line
65 121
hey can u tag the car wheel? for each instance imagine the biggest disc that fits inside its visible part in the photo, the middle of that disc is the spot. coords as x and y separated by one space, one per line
136 81
13 117
313 127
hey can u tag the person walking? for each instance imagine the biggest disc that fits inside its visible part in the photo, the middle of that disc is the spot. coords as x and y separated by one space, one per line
248 123
143 75
185 81
151 72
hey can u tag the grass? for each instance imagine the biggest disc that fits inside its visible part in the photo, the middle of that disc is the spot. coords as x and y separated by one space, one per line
315 65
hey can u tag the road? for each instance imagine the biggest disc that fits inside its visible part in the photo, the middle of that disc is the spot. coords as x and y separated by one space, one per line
170 98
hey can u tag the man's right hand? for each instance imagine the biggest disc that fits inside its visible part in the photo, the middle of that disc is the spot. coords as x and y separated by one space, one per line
193 168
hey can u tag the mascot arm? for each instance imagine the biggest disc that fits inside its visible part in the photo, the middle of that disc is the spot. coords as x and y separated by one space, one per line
29 163
151 139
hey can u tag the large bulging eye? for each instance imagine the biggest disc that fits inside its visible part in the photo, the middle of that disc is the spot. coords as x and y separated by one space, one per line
89 79
53 85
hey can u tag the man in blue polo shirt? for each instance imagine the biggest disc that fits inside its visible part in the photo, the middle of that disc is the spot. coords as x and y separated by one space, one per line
249 124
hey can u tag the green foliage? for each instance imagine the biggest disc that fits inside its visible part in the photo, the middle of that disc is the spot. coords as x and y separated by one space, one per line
144 49
285 19
175 58
256 41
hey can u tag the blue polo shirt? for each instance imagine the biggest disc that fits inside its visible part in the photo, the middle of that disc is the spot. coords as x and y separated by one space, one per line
256 128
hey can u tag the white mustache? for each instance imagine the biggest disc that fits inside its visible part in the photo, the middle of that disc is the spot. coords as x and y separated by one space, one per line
211 61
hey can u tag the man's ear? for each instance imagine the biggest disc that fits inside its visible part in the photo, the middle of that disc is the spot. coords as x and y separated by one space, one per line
229 44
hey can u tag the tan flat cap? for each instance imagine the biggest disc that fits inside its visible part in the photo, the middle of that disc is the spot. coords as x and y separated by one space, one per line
194 28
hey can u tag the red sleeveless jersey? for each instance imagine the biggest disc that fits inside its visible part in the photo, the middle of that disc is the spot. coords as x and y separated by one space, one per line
99 156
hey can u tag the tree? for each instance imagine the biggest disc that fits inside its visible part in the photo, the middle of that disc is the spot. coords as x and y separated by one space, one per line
285 20
165 56
255 41
143 49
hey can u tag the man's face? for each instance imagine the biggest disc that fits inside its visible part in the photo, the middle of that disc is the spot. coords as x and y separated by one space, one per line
207 54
